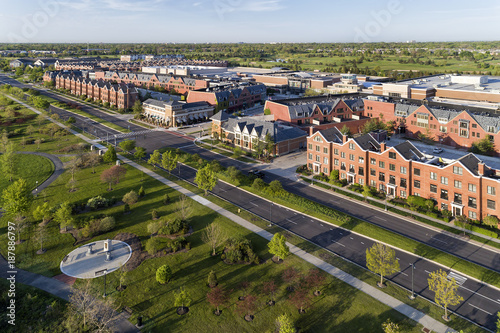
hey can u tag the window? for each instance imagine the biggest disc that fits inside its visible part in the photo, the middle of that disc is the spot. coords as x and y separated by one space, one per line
392 179
381 164
490 204
325 160
444 180
336 161
342 154
342 166
351 157
472 188
444 194
392 155
325 150
342 175
351 146
434 188
458 184
434 176
335 151
392 167
317 148
457 198
472 203
351 168
318 138
416 172
474 125
318 159
373 183
361 159
361 181
310 156
381 176
373 161
402 182
361 171
416 183
472 215
403 170
373 172
403 194
458 170
442 129
325 170
309 146
490 190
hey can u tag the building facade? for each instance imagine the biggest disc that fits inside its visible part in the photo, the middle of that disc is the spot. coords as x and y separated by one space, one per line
230 99
465 186
174 113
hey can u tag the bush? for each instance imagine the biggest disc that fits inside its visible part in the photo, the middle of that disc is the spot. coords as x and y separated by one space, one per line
163 274
154 214
176 226
97 202
126 208
153 245
212 279
107 224
130 198
240 250
141 192
259 184
275 188
166 199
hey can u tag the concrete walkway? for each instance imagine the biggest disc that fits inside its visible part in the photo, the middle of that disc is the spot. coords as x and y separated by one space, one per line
390 301
58 168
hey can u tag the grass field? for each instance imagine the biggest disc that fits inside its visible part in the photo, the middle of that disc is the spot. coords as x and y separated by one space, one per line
31 168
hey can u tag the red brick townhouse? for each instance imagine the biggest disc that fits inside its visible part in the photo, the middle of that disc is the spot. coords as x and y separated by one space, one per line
122 95
230 99
457 128
181 84
320 113
465 186
247 132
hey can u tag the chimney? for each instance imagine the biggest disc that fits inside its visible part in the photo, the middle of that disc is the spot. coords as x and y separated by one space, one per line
311 130
383 147
480 168
344 138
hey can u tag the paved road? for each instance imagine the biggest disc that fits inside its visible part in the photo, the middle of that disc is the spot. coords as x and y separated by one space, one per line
482 311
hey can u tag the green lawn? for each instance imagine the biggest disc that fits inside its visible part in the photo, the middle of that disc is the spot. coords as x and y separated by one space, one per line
32 168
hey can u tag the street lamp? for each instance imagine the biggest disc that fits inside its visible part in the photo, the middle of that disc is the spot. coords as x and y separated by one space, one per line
386 193
412 296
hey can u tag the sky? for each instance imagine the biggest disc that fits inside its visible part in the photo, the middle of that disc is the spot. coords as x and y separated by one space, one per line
160 21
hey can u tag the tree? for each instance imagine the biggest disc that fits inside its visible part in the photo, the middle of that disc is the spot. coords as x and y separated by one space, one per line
381 259
17 198
113 175
485 146
213 235
163 274
184 207
301 299
217 297
63 215
372 125
127 145
169 161
93 160
462 219
140 152
269 142
498 322
390 327
41 233
141 192
4 141
82 301
155 158
182 298
278 247
275 187
137 108
73 167
284 324
334 176
153 228
248 306
43 213
30 129
491 221
8 163
366 192
206 179
269 288
445 290
314 279
212 279
130 198
40 119
345 130
110 155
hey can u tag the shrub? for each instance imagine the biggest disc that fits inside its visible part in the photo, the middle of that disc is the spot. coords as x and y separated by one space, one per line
141 192
106 224
275 188
154 214
163 274
212 279
166 199
177 226
130 198
239 250
259 184
491 221
153 245
126 208
97 202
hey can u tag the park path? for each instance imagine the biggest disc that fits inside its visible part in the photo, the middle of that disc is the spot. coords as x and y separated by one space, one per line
408 311
58 168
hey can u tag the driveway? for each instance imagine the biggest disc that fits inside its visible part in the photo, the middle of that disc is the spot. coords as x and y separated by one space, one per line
286 165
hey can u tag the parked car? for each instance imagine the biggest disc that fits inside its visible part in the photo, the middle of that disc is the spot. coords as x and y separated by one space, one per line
256 173
437 150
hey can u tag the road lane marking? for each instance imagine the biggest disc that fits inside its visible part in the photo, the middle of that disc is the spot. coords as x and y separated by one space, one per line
427 272
320 224
351 238
362 243
380 218
338 243
253 203
458 278
480 309
312 221
291 221
403 273
438 240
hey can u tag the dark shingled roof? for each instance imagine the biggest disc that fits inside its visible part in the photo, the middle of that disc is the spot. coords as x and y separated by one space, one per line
408 151
220 116
263 128
332 134
367 142
470 161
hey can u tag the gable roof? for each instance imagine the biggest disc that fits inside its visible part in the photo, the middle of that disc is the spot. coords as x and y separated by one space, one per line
331 134
408 151
220 116
470 161
367 142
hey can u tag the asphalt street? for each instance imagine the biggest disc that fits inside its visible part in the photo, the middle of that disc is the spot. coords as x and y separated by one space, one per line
480 302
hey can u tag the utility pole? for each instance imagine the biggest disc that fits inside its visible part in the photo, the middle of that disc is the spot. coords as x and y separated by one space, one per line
412 296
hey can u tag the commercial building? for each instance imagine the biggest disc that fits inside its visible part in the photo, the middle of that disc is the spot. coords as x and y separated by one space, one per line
246 133
296 81
465 186
175 113
230 98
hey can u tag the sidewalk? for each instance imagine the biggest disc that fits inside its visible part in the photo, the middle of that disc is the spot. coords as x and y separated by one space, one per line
447 224
390 301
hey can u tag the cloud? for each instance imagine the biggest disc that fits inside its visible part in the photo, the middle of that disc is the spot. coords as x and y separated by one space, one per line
115 5
262 6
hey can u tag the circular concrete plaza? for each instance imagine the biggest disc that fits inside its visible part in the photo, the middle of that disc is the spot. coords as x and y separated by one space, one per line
92 260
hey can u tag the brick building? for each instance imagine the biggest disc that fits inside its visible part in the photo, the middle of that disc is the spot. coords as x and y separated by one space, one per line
456 128
246 133
320 112
230 99
122 95
465 186
174 113
296 81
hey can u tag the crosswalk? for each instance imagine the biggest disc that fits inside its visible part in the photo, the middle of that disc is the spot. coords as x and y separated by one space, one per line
458 278
131 134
